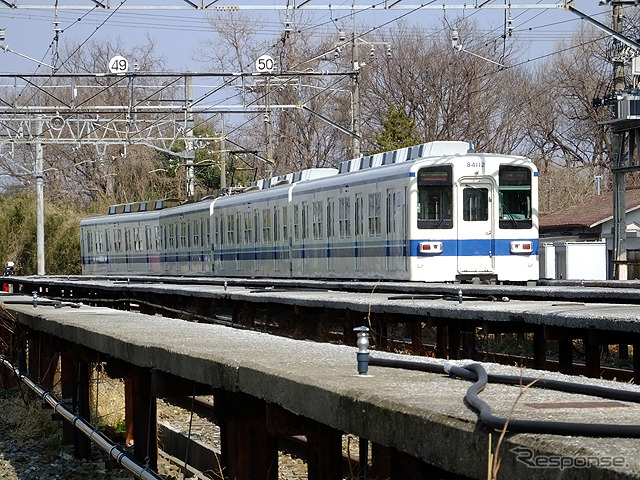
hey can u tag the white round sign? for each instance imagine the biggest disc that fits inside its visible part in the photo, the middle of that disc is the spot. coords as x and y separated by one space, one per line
118 64
265 63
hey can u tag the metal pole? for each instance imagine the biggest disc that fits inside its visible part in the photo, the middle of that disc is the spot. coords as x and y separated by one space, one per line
619 157
39 174
189 124
355 98
269 134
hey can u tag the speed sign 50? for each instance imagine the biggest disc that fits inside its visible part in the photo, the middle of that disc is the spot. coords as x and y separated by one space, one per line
265 63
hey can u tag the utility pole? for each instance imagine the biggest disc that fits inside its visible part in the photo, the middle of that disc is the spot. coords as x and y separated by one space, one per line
619 160
268 169
355 98
189 124
39 174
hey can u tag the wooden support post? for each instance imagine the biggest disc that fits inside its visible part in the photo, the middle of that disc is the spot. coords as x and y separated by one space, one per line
565 355
324 444
539 349
128 410
68 384
442 341
248 450
454 341
416 337
636 363
324 455
350 320
623 351
48 363
81 405
33 354
591 358
145 436
390 464
469 342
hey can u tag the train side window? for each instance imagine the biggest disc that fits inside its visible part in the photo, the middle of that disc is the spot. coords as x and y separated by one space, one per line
330 218
344 217
359 221
276 224
266 226
475 204
137 239
375 214
247 227
197 230
172 236
435 197
117 240
89 242
230 236
285 223
108 240
316 208
158 237
514 187
127 239
206 235
305 220
296 222
184 234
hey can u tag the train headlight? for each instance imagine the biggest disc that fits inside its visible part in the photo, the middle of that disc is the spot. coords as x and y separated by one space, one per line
430 248
521 246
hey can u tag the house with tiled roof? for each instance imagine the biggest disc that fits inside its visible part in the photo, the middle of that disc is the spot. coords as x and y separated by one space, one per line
581 227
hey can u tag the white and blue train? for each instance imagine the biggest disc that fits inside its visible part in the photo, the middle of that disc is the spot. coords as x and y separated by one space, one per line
436 212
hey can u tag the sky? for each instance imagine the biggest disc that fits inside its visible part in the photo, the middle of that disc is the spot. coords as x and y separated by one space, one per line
29 32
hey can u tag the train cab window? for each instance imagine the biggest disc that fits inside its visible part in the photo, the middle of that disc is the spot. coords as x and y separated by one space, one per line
515 197
475 204
435 197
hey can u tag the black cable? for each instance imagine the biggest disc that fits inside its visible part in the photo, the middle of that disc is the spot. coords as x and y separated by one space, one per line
477 374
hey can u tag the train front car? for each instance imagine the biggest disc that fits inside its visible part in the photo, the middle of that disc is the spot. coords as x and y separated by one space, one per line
474 216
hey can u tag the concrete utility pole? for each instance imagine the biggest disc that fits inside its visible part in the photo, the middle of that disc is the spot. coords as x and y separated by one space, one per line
355 98
39 174
189 124
619 161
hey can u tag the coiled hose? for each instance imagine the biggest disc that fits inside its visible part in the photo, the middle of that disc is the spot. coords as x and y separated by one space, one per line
476 373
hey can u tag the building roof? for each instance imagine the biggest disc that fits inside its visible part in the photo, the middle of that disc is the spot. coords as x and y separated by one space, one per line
589 213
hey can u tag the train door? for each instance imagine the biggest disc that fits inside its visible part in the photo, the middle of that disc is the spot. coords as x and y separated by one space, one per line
476 243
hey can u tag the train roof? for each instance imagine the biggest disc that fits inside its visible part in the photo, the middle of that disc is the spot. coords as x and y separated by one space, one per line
392 163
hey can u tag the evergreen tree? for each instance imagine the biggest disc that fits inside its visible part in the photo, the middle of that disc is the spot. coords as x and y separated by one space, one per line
398 130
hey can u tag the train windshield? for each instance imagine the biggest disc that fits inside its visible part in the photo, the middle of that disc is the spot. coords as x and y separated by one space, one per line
435 197
515 197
